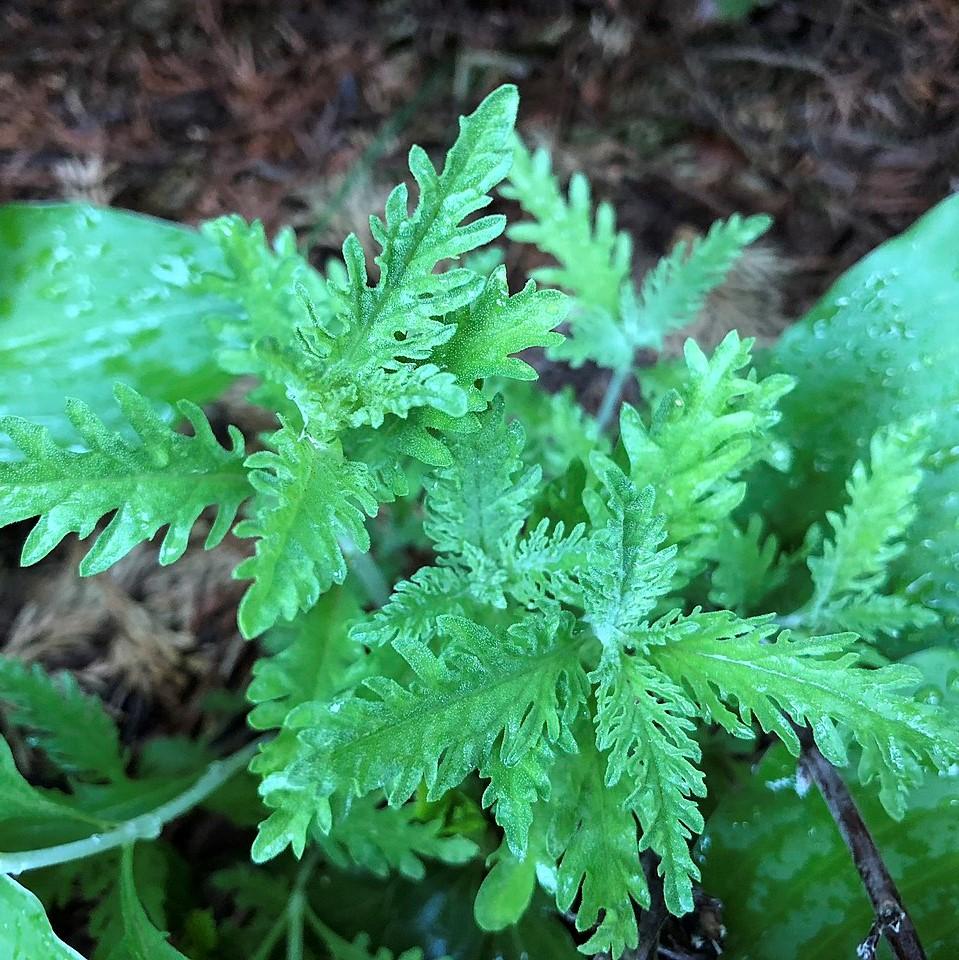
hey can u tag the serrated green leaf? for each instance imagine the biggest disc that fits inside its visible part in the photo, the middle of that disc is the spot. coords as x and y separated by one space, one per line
494 327
699 443
71 726
627 572
675 290
309 500
483 499
593 835
886 333
643 719
868 536
526 685
609 321
373 358
594 258
381 839
747 566
415 606
166 479
815 682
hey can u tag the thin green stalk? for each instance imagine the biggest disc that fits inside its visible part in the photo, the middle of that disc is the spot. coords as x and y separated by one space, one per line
613 396
271 939
330 937
147 826
294 937
297 907
368 572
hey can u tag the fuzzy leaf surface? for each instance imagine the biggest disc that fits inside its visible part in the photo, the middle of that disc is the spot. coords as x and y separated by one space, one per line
166 479
72 727
309 500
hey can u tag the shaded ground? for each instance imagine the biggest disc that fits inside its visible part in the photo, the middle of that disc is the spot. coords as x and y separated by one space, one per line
842 120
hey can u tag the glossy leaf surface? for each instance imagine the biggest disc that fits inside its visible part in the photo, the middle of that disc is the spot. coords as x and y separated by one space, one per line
881 347
92 296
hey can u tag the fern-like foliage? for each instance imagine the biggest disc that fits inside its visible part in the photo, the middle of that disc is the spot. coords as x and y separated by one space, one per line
493 327
376 369
269 284
513 705
476 512
374 356
311 658
626 573
70 726
594 837
747 566
543 674
514 693
315 659
593 258
644 720
610 320
675 290
310 499
164 479
383 839
699 442
815 682
867 537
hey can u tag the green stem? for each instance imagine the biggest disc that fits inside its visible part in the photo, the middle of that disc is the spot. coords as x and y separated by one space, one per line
612 397
297 907
272 938
147 826
294 936
329 937
368 572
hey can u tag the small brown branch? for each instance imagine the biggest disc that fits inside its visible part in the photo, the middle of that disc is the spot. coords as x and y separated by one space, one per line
652 919
892 920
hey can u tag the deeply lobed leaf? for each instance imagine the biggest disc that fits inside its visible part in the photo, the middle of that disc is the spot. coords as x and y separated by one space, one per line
644 719
525 685
71 727
310 501
735 674
166 479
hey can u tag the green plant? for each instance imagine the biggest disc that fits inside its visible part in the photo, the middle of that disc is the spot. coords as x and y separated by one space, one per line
539 692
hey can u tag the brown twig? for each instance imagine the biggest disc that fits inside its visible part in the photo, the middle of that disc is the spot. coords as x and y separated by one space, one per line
892 920
652 919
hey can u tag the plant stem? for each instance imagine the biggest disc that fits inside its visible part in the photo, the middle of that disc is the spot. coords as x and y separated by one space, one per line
652 920
147 826
271 939
368 572
613 395
892 920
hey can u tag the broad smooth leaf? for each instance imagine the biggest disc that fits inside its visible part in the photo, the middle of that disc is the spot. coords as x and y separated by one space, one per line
773 855
25 932
880 347
91 296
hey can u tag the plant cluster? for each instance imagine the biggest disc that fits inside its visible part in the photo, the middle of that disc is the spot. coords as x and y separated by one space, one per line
599 591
